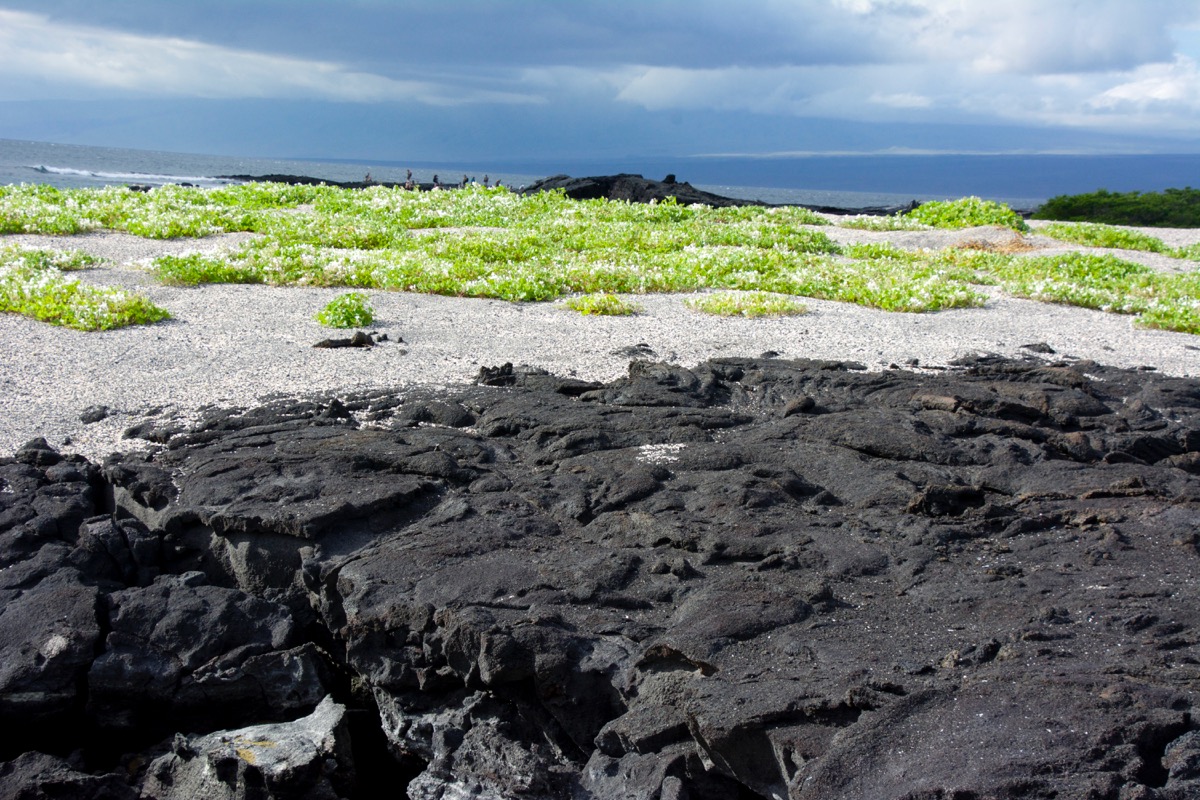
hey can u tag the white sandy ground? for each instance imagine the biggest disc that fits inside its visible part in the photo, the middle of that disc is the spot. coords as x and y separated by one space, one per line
235 345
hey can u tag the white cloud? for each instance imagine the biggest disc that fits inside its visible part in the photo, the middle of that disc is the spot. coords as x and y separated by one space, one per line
36 53
1037 37
1100 64
1124 65
1175 85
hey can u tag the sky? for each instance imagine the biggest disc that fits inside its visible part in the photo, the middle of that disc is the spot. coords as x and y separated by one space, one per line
542 79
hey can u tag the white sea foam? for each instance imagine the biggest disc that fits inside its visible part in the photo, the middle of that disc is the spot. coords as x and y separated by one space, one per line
131 177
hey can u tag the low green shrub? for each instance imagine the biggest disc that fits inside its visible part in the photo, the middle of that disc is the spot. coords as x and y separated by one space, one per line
195 269
1172 208
1096 235
349 310
967 212
32 284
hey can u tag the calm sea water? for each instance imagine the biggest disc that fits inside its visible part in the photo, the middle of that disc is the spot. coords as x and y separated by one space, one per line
1022 181
76 166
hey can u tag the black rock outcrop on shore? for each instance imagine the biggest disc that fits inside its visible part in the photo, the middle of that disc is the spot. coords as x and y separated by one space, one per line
754 578
627 187
633 189
305 180
637 189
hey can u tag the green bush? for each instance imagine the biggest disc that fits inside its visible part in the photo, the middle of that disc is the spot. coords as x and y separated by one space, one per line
1173 208
32 284
966 212
349 310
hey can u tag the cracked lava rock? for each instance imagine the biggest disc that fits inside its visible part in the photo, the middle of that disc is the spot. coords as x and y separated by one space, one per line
753 578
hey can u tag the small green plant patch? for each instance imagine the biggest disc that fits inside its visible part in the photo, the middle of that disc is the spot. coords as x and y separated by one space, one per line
748 304
1176 307
1095 235
891 222
195 269
967 212
1189 251
32 284
349 310
1107 283
605 304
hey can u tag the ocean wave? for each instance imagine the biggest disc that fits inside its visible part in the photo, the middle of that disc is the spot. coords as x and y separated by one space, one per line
131 177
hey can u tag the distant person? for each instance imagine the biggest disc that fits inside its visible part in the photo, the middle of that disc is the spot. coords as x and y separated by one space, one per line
485 181
436 183
464 182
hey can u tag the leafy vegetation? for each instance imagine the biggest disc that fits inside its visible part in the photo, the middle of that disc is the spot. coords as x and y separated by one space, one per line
32 283
489 242
194 269
967 212
349 310
892 222
1094 235
1106 283
1173 208
604 304
748 304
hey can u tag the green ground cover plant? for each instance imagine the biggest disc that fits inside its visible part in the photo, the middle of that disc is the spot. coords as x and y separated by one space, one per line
349 310
1106 283
967 212
1172 208
1096 235
490 242
33 284
748 304
890 222
604 304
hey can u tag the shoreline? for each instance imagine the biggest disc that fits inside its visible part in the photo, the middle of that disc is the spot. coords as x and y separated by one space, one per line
623 186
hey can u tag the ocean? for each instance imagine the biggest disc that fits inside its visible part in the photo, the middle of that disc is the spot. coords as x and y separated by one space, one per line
842 181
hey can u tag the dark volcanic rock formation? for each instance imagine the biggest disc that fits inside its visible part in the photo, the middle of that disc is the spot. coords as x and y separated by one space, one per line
636 189
624 186
633 189
749 579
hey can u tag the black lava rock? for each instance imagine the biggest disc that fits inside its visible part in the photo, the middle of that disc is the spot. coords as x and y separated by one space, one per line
750 578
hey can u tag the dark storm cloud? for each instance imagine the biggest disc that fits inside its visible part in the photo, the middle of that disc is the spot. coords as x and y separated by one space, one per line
571 72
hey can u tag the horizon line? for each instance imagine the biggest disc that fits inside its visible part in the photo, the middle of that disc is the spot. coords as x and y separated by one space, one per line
907 151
